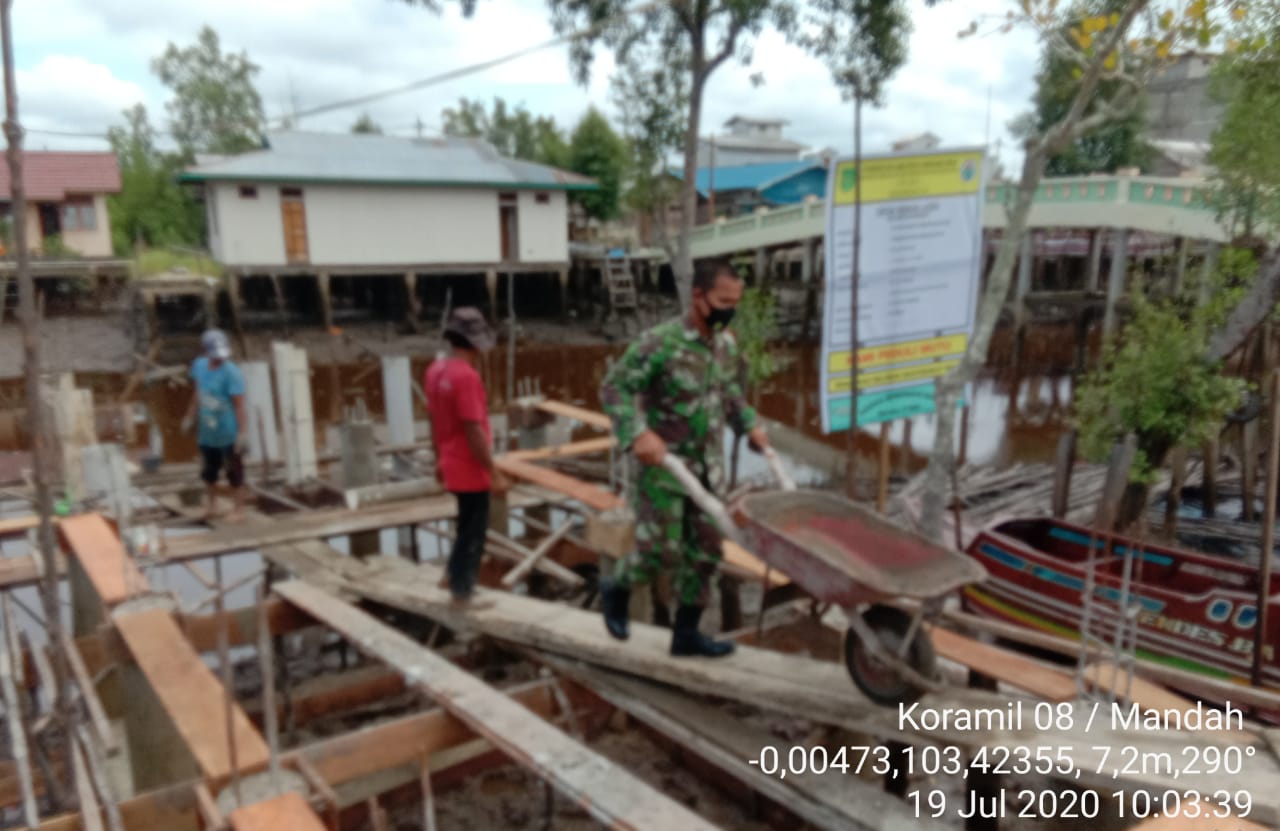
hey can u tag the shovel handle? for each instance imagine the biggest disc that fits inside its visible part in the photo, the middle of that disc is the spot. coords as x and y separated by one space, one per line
785 482
701 497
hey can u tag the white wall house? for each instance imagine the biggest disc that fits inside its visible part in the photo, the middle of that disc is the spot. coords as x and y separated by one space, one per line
348 200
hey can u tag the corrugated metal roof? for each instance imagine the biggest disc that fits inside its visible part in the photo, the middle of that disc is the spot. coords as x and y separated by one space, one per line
372 159
748 176
49 177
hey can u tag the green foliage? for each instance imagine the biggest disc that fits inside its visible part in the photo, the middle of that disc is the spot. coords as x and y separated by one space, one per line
515 133
53 247
863 43
595 150
755 326
151 208
1117 144
366 124
215 107
652 98
1156 382
161 260
1245 149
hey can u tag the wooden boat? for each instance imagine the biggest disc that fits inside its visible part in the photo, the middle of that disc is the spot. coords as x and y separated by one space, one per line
1194 611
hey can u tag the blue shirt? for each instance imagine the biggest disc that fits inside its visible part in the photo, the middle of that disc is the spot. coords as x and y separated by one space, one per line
218 427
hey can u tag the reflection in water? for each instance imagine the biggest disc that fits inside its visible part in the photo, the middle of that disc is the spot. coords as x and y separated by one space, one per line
1009 421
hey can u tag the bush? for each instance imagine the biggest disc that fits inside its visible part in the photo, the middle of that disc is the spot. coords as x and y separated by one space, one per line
154 261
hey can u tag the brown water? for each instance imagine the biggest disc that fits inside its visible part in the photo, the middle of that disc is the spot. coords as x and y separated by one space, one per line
1010 420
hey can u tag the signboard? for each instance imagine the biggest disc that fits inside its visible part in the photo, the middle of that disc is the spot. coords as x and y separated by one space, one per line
919 265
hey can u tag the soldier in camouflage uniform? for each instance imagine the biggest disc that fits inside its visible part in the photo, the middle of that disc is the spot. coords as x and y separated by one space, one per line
673 391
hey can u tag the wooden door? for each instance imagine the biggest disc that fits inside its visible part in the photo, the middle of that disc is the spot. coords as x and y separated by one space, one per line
507 225
293 212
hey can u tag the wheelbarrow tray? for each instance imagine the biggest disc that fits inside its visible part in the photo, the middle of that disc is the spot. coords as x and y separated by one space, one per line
843 553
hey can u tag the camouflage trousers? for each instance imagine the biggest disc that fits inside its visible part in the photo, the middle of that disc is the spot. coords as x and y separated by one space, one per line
677 545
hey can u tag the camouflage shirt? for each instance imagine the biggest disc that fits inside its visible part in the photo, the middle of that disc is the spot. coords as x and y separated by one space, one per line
683 388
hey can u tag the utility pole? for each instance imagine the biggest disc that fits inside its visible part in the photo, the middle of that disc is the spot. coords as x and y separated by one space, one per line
711 180
64 709
851 462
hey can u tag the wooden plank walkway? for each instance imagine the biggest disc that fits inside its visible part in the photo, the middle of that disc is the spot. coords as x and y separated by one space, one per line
94 544
191 694
610 794
287 811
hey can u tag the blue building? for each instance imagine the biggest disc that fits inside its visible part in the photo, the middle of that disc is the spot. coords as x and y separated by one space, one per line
740 189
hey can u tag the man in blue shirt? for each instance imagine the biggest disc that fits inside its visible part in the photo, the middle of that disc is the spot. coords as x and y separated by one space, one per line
218 407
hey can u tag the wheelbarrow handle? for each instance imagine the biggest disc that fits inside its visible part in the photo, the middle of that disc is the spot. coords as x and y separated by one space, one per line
701 497
785 482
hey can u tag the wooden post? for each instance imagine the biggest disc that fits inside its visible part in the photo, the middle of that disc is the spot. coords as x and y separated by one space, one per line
904 458
1268 532
326 307
234 301
1210 478
1177 478
1249 466
1062 473
564 292
1117 480
882 469
1023 287
278 291
491 287
1180 267
266 661
962 456
412 306
1115 280
15 722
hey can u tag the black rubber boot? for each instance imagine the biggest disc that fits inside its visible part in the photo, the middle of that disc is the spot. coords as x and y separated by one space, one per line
687 640
615 602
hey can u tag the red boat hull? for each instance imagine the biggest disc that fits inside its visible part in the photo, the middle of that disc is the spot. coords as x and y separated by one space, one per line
1194 611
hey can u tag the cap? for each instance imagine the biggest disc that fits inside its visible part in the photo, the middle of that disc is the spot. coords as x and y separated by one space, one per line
469 322
216 345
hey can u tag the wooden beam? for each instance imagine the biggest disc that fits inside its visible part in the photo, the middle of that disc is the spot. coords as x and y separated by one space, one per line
590 495
288 810
97 715
518 573
589 417
587 447
1003 665
96 546
610 794
190 694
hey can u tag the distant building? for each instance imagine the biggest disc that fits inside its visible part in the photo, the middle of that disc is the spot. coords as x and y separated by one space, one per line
917 143
357 200
741 189
748 141
1179 107
66 198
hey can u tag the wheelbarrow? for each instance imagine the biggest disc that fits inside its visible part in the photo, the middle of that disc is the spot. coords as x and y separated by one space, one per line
844 554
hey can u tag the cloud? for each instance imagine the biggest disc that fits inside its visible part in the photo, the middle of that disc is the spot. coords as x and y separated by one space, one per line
71 94
313 52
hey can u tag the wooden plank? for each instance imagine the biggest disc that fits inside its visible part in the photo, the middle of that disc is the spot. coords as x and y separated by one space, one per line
591 417
288 810
828 800
593 496
610 794
1003 665
1103 675
90 812
100 552
190 694
586 447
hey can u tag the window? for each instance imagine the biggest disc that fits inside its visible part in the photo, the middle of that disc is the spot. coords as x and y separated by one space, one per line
291 193
248 192
78 214
542 198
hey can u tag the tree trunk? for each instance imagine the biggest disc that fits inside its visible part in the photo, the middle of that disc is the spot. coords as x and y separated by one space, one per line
949 387
37 425
682 265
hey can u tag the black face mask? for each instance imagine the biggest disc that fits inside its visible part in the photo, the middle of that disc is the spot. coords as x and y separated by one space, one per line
719 318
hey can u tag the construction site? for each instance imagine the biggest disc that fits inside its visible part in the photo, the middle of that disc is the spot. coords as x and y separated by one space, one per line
303 668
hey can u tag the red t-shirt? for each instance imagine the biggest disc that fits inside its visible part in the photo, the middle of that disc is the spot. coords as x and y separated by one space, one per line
455 395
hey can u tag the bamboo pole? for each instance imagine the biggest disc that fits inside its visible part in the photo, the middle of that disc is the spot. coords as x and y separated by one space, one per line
882 469
228 680
90 811
14 721
1268 531
36 422
266 660
428 798
102 784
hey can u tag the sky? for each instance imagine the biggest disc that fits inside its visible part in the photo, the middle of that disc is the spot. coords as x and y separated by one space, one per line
81 62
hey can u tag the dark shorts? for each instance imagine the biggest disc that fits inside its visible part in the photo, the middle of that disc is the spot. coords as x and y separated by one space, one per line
215 458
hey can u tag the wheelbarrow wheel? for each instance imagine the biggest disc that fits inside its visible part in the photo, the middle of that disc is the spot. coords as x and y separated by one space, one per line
878 680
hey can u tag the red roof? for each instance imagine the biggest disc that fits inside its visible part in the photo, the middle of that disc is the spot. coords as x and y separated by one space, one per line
51 176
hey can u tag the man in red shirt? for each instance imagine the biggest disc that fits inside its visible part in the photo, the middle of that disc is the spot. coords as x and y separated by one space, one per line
463 443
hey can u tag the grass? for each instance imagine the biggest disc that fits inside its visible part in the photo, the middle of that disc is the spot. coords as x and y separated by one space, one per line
158 261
